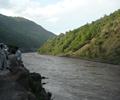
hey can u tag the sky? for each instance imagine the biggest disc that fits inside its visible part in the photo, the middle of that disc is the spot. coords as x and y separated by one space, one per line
59 16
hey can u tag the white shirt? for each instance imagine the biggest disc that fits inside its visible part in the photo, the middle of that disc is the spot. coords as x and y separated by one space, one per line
18 55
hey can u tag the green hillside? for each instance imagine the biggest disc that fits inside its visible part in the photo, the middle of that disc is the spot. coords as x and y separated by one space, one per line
22 32
99 40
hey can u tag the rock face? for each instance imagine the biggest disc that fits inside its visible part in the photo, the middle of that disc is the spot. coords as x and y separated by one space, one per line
18 83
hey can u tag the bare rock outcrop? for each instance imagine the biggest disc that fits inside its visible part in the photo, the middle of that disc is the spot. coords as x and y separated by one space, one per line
17 83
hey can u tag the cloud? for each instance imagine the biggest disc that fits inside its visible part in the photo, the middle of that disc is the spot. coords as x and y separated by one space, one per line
4 3
60 15
53 20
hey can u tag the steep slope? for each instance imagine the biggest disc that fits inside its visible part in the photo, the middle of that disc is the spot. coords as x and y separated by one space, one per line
22 32
98 40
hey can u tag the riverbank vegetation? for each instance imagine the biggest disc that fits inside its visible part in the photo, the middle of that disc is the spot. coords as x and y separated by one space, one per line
98 40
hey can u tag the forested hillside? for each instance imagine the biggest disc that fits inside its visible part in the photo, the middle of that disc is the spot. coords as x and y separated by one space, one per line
22 32
99 40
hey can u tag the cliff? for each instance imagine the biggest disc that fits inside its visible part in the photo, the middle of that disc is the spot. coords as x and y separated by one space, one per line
17 83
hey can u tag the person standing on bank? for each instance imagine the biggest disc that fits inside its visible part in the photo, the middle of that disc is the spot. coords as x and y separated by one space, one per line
3 60
18 55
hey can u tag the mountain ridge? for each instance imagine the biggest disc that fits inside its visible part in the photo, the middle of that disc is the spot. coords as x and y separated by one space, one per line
22 32
99 40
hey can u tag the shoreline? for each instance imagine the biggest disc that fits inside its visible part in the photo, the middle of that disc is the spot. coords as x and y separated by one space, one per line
82 58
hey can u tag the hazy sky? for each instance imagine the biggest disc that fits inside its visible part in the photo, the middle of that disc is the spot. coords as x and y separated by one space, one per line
59 15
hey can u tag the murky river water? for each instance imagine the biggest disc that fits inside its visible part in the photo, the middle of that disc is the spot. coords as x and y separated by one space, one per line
75 79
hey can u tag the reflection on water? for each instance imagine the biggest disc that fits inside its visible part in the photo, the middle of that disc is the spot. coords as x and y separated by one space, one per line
75 79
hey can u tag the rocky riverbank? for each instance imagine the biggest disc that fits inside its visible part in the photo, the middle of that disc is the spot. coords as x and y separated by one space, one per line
17 83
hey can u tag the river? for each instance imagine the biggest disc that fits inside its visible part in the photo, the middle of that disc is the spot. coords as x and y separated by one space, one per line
75 79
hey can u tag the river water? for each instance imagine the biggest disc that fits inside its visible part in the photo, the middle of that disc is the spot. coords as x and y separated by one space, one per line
75 79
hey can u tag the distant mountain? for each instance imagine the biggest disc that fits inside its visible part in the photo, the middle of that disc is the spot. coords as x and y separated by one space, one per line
22 32
99 40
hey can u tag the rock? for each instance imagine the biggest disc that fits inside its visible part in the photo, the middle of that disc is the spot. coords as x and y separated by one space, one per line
20 84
